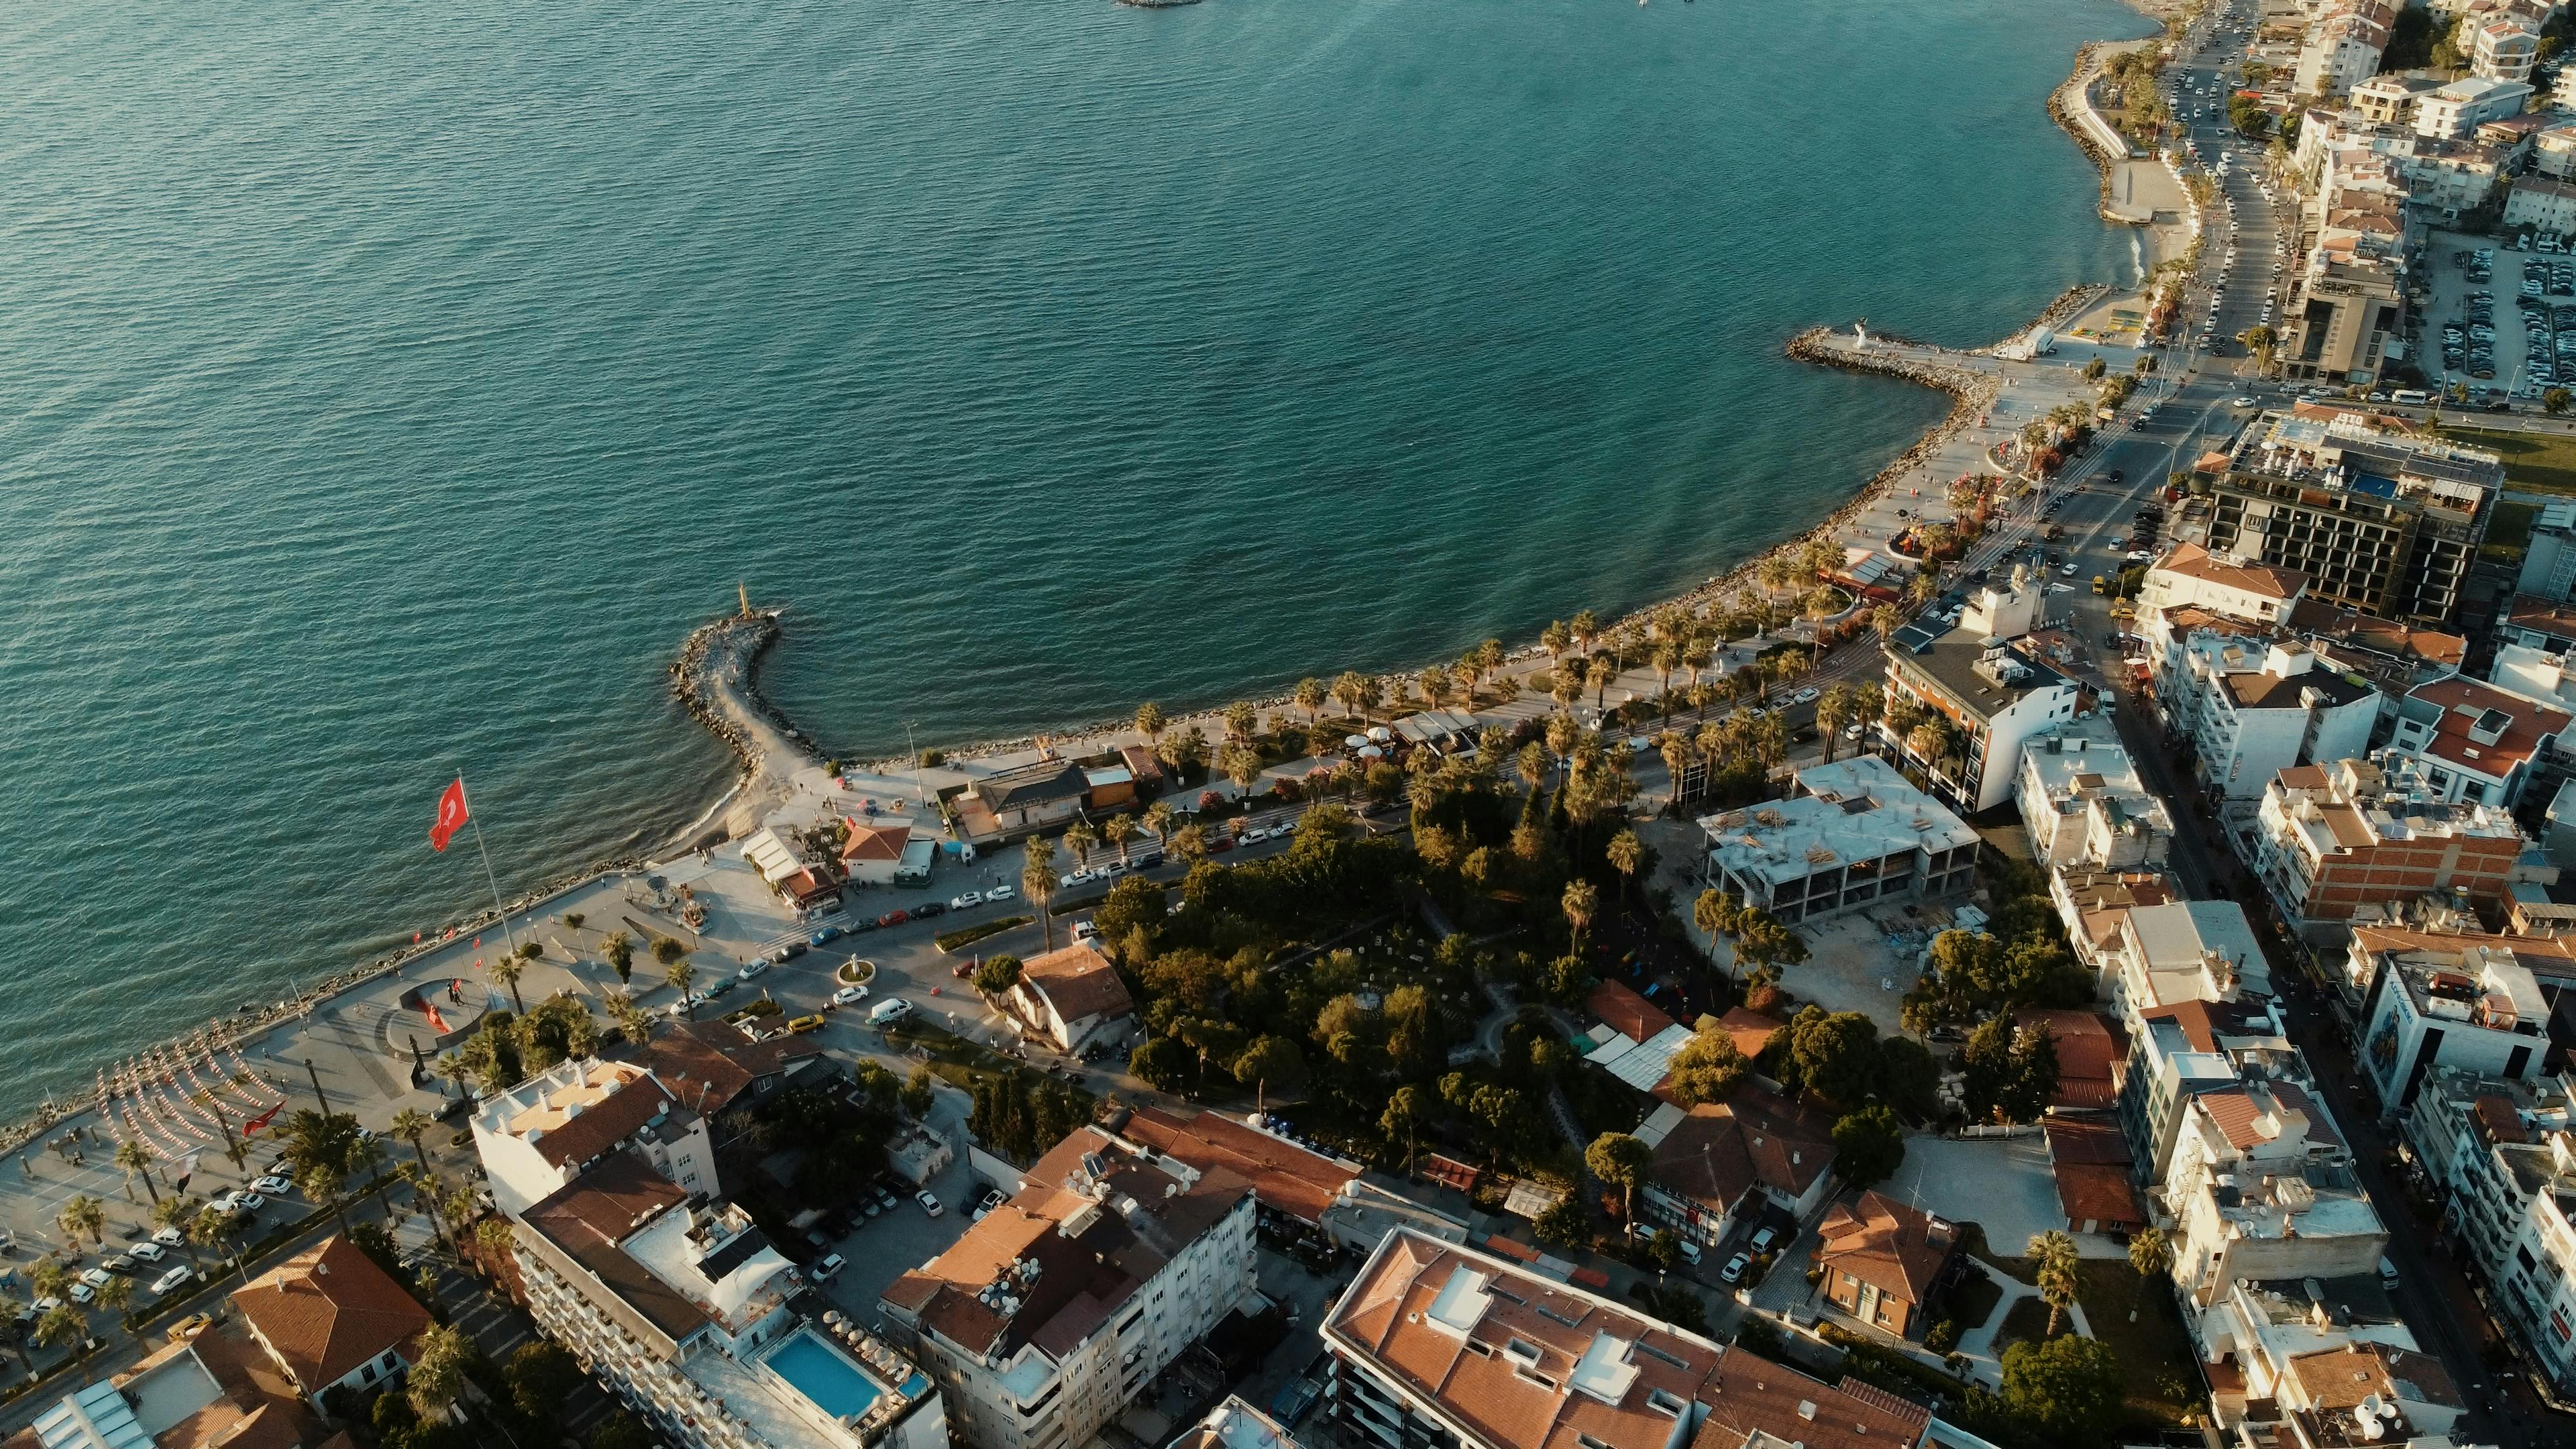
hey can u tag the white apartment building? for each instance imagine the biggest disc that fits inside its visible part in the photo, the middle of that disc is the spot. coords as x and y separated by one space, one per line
2463 1002
2385 100
1051 1314
2162 955
2188 1048
2342 47
2326 1354
2265 1202
2542 204
2453 112
2084 803
545 1132
1857 832
1441 1347
684 1311
1995 694
2250 710
2189 577
2503 1156
2473 741
2503 47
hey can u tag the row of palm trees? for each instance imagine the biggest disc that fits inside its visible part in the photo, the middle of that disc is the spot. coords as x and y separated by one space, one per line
2056 1268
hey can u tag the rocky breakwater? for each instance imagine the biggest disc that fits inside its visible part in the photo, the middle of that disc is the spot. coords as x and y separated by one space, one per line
1972 393
717 678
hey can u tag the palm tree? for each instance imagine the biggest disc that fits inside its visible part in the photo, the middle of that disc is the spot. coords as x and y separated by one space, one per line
1346 692
437 1377
410 1125
1190 843
2054 1263
1434 681
1581 899
1118 831
1585 626
1597 676
680 973
452 1069
633 1022
1833 714
1158 819
62 1324
1554 639
1777 573
213 1228
1626 852
177 1211
2150 1254
1675 747
1037 882
1082 835
10 1307
116 1295
505 969
1666 658
1242 765
1241 720
1310 696
136 1159
83 1214
619 949
1150 721
1822 604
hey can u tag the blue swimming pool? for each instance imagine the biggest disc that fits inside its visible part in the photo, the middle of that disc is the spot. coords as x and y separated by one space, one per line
820 1372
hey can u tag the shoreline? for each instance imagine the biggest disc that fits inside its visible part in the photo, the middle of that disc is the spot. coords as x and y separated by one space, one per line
715 673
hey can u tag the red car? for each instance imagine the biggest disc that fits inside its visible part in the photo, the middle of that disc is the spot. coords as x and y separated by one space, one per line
1220 845
964 969
894 918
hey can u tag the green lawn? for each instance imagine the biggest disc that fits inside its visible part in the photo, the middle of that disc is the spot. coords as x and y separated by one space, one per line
2541 462
2163 1383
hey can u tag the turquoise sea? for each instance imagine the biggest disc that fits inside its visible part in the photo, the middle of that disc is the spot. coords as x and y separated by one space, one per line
385 388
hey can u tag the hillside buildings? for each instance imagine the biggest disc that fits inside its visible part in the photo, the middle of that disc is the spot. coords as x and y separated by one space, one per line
1049 1315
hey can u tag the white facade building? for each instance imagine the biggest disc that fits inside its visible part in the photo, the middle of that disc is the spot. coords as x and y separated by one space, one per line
1856 833
1052 1313
2455 111
543 1133
2503 47
2464 1002
2503 1156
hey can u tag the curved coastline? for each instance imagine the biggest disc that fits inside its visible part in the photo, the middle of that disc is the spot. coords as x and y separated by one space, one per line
715 673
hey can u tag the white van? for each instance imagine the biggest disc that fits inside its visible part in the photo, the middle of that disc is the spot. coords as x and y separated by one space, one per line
2410 396
892 1009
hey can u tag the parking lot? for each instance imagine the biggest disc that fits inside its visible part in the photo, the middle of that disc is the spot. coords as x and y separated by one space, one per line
2499 320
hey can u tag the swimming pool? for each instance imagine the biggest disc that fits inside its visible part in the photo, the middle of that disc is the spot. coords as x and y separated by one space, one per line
822 1373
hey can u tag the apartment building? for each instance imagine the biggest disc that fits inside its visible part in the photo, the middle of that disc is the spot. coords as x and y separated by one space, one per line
683 1306
2323 1362
2152 956
2542 203
2538 624
2383 524
545 1132
2454 111
2473 741
2187 1048
2462 1002
1048 1316
1442 1347
2249 715
2553 148
1995 695
2502 1156
2503 47
2389 100
2262 1188
205 1391
1856 832
2343 45
329 1318
2189 577
2344 842
2085 806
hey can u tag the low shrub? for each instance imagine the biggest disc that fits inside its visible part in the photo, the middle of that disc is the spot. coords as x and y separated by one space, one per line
949 941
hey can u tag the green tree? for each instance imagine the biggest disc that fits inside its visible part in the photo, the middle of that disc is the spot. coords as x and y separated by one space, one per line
1580 900
1269 1059
1836 1054
1621 1161
680 974
411 1125
997 974
136 1161
1408 1108
1869 1145
621 1430
1038 883
2260 339
438 1372
2054 1267
1626 853
1564 1225
2069 1388
2152 1256
1162 1063
619 948
1310 695
669 951
506 969
919 1091
2557 400
62 1324
83 1216
542 1376
1708 1069
1150 721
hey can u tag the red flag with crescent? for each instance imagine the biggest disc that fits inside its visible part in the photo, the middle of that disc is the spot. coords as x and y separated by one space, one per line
262 1120
451 814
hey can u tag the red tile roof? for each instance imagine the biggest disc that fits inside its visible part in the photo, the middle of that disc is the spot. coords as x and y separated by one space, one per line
1284 1176
1627 1013
2098 1193
1078 982
1883 1242
329 1309
2531 724
1720 1150
2086 1050
1749 1029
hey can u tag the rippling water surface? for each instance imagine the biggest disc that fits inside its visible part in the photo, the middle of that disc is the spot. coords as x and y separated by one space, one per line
385 388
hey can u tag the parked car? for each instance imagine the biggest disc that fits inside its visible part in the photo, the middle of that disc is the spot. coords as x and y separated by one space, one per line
1733 1272
175 1278
894 917
827 1269
274 1186
965 902
751 968
804 1024
849 996
890 1011
824 937
149 1252
929 1203
928 909
999 893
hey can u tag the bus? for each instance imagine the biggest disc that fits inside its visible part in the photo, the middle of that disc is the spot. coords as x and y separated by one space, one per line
2410 397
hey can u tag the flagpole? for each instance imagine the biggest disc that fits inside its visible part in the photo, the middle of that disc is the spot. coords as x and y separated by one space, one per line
495 881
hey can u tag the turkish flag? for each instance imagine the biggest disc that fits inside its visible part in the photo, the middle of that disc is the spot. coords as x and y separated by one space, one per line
451 814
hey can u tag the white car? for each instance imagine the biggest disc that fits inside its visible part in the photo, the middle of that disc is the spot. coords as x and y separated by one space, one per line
248 1202
175 1278
148 1252
169 1237
1085 931
751 968
95 1277
998 893
1806 696
272 1185
1733 1272
2067 572
1079 877
81 1292
1254 836
890 1010
967 901
929 1204
849 996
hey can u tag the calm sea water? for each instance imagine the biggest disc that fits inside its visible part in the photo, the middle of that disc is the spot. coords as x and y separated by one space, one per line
384 389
